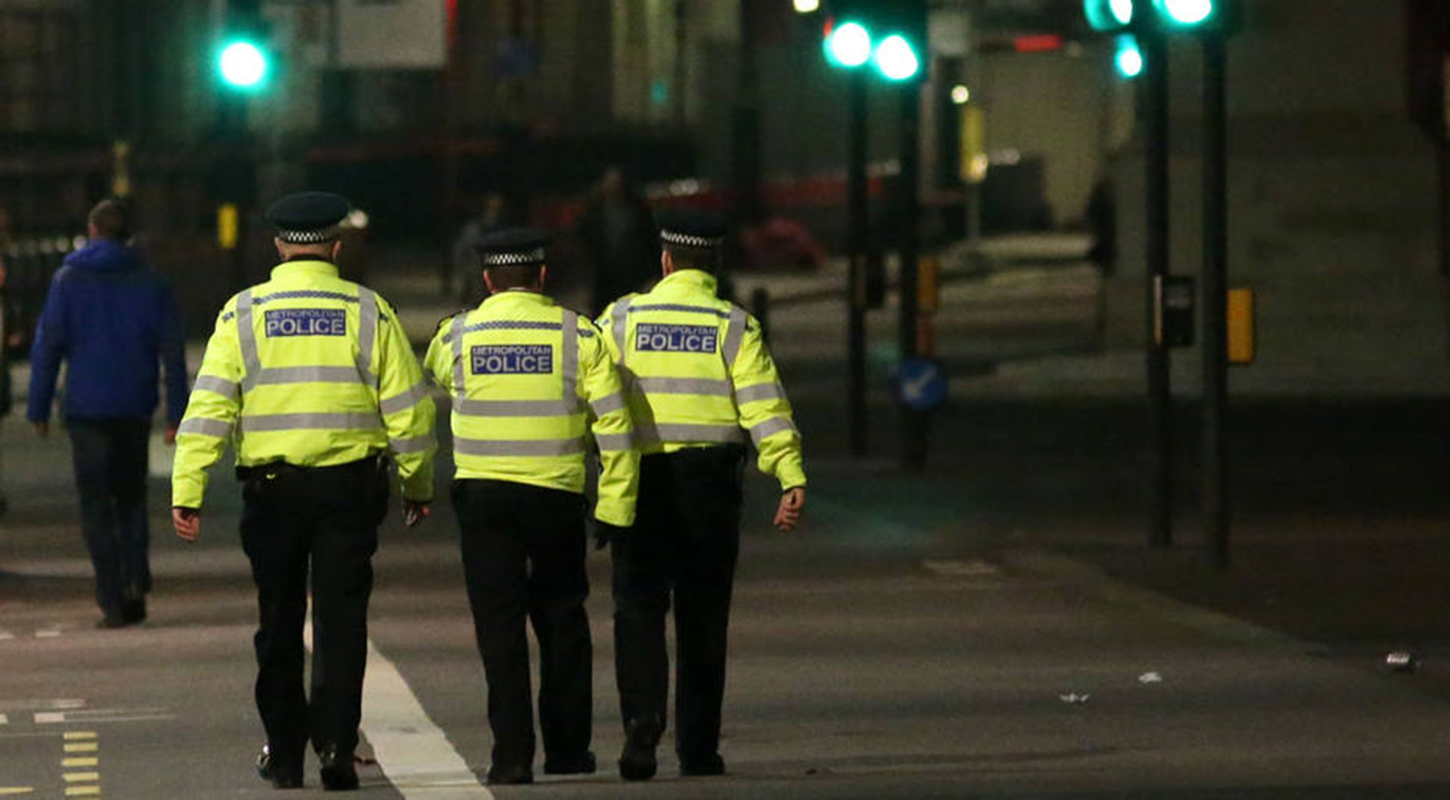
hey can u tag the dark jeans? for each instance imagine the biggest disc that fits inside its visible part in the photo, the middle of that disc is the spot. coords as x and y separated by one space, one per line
685 542
523 559
110 469
323 520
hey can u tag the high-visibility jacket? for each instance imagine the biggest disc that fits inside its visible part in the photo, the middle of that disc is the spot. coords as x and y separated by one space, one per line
697 371
312 370
526 376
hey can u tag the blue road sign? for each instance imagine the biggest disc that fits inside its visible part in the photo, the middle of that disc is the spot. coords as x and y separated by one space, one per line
921 383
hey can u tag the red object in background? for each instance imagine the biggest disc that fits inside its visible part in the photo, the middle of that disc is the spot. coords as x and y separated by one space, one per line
1037 43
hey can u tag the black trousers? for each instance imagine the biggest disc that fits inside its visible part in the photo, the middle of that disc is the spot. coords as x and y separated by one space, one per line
523 559
685 543
322 521
110 457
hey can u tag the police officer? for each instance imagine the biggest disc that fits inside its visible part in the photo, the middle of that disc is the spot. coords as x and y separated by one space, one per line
530 381
312 381
697 372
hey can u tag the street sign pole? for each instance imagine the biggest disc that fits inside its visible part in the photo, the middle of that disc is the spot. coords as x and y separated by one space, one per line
913 421
1155 57
1215 302
859 239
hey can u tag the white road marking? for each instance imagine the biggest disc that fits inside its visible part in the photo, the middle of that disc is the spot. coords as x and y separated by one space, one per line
47 633
6 636
4 720
970 568
93 716
412 751
49 717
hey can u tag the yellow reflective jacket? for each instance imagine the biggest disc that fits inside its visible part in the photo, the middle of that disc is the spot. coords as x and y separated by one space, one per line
524 373
312 370
697 371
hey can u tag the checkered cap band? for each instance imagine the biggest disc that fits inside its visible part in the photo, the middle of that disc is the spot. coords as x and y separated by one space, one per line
310 237
515 259
688 240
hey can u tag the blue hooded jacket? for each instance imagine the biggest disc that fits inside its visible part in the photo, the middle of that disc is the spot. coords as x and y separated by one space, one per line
112 320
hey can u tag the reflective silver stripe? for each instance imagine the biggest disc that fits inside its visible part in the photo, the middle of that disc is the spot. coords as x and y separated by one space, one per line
770 427
682 307
621 326
648 432
316 421
606 404
275 375
614 441
569 358
367 333
468 407
518 447
417 444
457 333
247 339
406 400
733 335
708 386
760 391
207 427
221 386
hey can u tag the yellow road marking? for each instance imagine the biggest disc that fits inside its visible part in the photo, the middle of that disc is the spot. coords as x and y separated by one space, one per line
81 777
71 735
82 791
6 791
80 761
82 747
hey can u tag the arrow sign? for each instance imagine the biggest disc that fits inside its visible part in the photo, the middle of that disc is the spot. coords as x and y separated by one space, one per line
921 383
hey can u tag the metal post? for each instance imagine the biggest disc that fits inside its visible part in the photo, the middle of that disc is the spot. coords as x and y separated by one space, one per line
859 234
913 423
746 122
1160 429
1215 302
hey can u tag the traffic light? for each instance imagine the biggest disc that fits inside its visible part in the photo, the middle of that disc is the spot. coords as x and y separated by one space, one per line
890 35
243 64
1108 15
1128 59
1196 16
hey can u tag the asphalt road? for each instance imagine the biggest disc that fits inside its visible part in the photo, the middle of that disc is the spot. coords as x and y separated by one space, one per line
923 636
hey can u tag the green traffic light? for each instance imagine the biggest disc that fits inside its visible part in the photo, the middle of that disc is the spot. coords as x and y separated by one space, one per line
849 45
1108 15
243 65
1186 13
896 58
1129 59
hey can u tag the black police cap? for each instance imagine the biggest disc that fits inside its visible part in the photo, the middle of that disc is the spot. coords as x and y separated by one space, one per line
688 227
513 247
309 217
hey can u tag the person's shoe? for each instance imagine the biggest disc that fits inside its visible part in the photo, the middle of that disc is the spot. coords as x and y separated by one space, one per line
134 611
339 773
111 622
281 776
637 760
503 776
711 764
578 765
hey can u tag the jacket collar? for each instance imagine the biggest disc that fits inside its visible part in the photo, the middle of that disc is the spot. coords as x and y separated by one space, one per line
299 267
517 297
691 280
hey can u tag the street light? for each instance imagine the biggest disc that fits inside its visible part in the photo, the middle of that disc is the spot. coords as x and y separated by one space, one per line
807 6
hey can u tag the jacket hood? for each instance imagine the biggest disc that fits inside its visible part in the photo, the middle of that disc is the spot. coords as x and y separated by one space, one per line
104 255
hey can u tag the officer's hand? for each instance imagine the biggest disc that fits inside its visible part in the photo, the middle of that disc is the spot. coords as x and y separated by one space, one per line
604 533
415 512
169 435
792 503
42 429
187 522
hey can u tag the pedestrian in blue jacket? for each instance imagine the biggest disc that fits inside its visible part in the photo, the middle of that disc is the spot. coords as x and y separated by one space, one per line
112 320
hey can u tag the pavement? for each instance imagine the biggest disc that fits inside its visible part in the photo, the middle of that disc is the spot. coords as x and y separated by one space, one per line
992 626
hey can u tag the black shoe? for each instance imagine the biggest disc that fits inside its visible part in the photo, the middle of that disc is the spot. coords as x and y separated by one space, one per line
279 775
711 764
637 760
578 765
502 776
339 773
134 611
